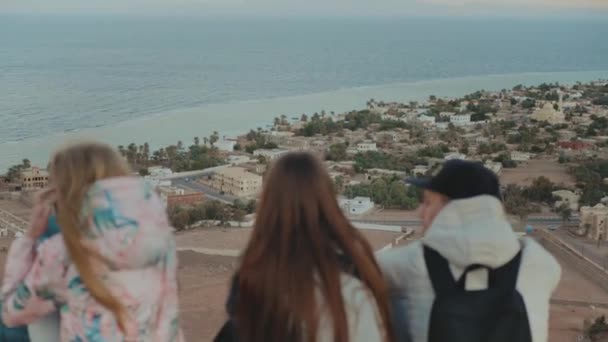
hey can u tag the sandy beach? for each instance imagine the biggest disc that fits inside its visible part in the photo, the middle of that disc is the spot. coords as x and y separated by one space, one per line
162 129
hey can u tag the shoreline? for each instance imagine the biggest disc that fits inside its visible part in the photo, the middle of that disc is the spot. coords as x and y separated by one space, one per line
164 128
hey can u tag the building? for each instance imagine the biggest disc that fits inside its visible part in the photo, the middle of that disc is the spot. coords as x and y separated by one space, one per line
420 170
273 154
455 155
156 181
442 126
366 146
34 178
427 119
549 114
226 145
593 222
279 137
496 167
446 114
520 156
159 171
237 181
356 206
460 120
172 196
566 197
573 145
238 159
379 173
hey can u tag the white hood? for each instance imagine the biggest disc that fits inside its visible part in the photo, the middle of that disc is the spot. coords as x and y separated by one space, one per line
473 231
466 232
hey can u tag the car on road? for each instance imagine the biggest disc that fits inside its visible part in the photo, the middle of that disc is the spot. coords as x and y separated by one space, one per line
553 227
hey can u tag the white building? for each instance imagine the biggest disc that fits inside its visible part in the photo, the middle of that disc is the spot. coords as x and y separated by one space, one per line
389 117
461 120
446 114
455 155
365 146
425 119
225 145
420 170
442 126
159 172
520 156
494 166
156 181
356 206
270 154
566 197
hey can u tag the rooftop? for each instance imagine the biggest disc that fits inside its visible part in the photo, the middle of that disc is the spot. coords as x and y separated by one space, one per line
238 172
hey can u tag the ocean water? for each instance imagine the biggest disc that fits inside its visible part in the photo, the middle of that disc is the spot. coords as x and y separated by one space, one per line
159 80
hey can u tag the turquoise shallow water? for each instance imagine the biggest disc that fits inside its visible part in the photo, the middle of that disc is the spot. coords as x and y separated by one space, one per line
124 79
233 118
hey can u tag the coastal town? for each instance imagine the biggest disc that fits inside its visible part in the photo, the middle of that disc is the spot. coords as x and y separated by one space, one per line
547 143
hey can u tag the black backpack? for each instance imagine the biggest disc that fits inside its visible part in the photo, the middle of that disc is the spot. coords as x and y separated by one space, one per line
496 314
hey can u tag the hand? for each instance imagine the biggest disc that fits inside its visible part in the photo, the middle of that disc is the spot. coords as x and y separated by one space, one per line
40 214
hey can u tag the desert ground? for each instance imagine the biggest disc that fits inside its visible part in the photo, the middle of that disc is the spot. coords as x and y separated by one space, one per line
523 176
204 278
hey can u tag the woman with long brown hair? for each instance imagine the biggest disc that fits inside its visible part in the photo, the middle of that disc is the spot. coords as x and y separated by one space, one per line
307 275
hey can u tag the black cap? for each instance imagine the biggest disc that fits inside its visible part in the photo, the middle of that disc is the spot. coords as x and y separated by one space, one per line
459 179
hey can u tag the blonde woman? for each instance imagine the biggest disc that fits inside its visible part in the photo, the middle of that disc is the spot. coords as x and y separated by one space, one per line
111 272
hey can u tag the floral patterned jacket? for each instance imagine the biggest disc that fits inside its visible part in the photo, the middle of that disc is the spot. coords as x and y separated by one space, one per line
128 227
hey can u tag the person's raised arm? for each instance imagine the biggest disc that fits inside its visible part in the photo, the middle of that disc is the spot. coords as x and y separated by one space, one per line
31 273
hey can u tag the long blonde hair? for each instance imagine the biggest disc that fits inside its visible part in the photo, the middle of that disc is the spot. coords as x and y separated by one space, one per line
73 169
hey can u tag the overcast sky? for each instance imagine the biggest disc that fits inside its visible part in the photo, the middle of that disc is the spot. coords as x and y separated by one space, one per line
327 7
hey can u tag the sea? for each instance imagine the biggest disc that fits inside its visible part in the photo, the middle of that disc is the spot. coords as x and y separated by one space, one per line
160 79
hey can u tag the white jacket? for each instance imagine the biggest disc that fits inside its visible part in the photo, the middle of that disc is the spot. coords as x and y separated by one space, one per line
363 318
465 232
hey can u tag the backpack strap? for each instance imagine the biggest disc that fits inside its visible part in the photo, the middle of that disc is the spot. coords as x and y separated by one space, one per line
506 275
439 272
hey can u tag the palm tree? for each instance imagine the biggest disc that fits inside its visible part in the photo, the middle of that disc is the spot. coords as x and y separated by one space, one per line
180 145
122 150
146 153
131 153
26 163
304 118
565 212
277 121
196 141
214 137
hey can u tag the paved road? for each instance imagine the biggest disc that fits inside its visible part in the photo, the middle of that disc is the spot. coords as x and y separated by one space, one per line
11 222
586 247
532 220
208 191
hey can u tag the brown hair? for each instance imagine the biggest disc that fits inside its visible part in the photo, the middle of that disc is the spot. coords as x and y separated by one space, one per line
300 236
73 169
